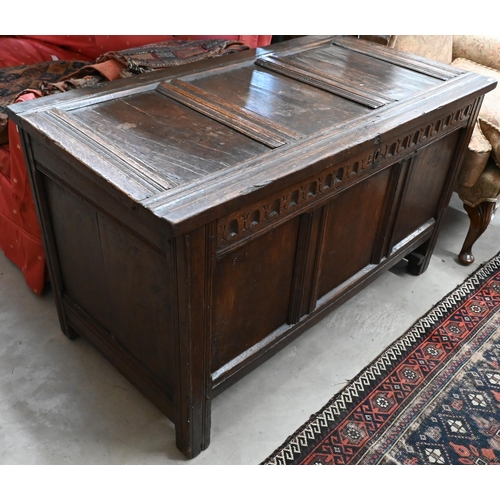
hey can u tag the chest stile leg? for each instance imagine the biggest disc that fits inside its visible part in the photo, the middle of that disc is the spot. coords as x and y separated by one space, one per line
195 263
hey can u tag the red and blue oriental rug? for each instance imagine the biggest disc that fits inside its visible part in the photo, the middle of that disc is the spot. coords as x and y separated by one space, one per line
433 397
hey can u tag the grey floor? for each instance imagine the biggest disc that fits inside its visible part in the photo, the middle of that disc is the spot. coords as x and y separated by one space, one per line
61 402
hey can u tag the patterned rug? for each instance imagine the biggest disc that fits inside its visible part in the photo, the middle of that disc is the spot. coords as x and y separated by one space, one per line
14 80
433 397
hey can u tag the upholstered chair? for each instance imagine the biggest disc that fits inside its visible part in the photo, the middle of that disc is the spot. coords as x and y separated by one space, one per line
478 182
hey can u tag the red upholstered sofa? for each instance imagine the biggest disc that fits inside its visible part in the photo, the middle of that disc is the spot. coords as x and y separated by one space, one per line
20 235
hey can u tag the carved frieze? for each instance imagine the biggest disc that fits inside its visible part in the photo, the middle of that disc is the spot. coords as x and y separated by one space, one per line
298 197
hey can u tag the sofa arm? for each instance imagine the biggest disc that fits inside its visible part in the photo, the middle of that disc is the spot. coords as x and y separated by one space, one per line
482 49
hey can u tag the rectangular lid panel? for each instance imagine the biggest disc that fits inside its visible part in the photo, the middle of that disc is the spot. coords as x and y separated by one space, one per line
360 71
172 141
285 101
191 126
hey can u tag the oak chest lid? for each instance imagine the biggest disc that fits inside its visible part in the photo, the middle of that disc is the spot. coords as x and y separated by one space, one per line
188 140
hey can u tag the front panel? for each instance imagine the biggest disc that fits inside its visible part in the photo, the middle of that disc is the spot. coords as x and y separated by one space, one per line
427 175
350 231
252 291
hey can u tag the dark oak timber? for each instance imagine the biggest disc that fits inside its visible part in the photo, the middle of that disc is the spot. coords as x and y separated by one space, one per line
198 219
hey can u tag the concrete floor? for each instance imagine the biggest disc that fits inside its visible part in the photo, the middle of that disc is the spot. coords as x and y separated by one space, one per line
61 402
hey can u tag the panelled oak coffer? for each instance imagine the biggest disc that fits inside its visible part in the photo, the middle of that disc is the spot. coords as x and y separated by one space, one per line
199 218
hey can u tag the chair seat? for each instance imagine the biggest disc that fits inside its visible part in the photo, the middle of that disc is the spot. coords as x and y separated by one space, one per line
479 179
486 188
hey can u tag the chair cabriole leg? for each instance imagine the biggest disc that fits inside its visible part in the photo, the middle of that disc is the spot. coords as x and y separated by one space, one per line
480 216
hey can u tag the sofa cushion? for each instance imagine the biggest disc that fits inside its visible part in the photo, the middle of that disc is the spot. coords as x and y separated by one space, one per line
492 133
486 188
5 160
436 47
476 158
29 49
15 51
482 49
490 109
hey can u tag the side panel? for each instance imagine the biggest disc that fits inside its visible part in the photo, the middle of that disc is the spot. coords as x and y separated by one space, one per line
114 284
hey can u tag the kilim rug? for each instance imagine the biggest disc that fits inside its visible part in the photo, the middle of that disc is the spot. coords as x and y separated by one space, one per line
14 80
433 397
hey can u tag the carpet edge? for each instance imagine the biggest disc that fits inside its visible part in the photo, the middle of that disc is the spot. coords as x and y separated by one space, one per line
285 453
